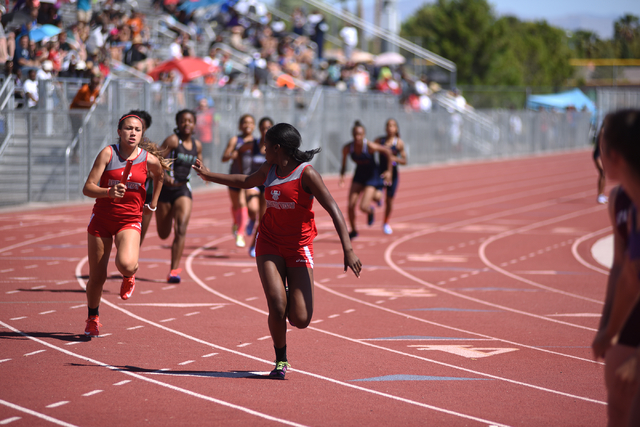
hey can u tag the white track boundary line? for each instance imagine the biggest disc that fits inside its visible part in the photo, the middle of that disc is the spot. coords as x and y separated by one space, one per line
452 328
36 414
191 273
576 255
483 247
395 243
341 383
150 380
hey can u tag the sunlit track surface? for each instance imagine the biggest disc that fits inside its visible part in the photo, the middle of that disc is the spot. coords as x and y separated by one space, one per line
478 310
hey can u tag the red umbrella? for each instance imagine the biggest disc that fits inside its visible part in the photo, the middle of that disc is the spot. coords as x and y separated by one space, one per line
189 66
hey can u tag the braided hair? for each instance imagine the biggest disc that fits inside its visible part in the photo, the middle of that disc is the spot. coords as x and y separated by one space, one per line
289 139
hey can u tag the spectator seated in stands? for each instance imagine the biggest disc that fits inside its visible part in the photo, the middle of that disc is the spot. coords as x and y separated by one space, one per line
137 58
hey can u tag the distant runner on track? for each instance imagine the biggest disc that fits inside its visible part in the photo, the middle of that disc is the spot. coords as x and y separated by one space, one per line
284 247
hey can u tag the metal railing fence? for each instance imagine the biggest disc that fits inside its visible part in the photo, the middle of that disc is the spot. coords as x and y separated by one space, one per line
324 117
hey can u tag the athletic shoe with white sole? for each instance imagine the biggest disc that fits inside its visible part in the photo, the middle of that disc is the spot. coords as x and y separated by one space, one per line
127 287
240 241
279 372
602 199
93 326
387 229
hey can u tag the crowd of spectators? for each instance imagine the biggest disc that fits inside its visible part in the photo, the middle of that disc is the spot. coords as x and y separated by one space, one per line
278 54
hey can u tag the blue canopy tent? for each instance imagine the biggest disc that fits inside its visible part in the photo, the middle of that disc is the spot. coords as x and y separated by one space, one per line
560 101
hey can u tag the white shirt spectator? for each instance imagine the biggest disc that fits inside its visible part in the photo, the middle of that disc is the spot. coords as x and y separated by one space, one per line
349 36
31 87
175 49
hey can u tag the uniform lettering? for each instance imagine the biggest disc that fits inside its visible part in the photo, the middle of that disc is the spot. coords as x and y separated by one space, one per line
281 205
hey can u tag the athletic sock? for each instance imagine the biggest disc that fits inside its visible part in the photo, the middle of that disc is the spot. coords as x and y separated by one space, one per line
281 354
93 311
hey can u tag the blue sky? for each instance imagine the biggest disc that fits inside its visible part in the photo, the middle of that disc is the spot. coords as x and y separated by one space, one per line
528 9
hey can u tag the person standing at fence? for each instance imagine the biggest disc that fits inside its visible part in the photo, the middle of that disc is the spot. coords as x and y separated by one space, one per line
84 99
118 210
367 178
176 200
239 150
397 157
285 241
257 160
620 152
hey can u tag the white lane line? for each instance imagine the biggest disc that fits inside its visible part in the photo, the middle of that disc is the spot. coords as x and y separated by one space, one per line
244 344
168 287
151 380
18 318
36 414
73 343
122 382
4 360
34 352
48 312
9 420
189 266
186 363
268 362
251 299
55 405
91 393
576 255
135 327
264 338
333 316
485 259
38 287
12 292
79 306
167 320
209 355
351 310
192 314
396 243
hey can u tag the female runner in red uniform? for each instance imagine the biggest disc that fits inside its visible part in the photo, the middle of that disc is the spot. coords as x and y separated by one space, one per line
118 210
175 201
284 246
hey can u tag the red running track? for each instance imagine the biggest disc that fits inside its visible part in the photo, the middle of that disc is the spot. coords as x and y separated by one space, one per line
478 310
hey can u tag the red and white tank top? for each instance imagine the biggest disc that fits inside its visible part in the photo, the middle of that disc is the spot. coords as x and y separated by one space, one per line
289 218
129 207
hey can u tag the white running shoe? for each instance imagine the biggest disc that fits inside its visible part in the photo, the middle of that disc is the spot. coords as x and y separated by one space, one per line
240 241
602 199
387 229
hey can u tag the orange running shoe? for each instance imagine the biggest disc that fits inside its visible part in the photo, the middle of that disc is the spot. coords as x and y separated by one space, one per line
127 287
174 276
93 326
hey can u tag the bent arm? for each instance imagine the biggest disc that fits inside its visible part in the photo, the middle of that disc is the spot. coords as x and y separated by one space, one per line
157 174
92 185
230 152
401 158
313 184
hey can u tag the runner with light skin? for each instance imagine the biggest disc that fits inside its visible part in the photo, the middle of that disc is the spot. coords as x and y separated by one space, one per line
284 248
118 210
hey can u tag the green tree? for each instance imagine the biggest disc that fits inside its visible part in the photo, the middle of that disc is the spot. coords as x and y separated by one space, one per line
626 37
488 50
